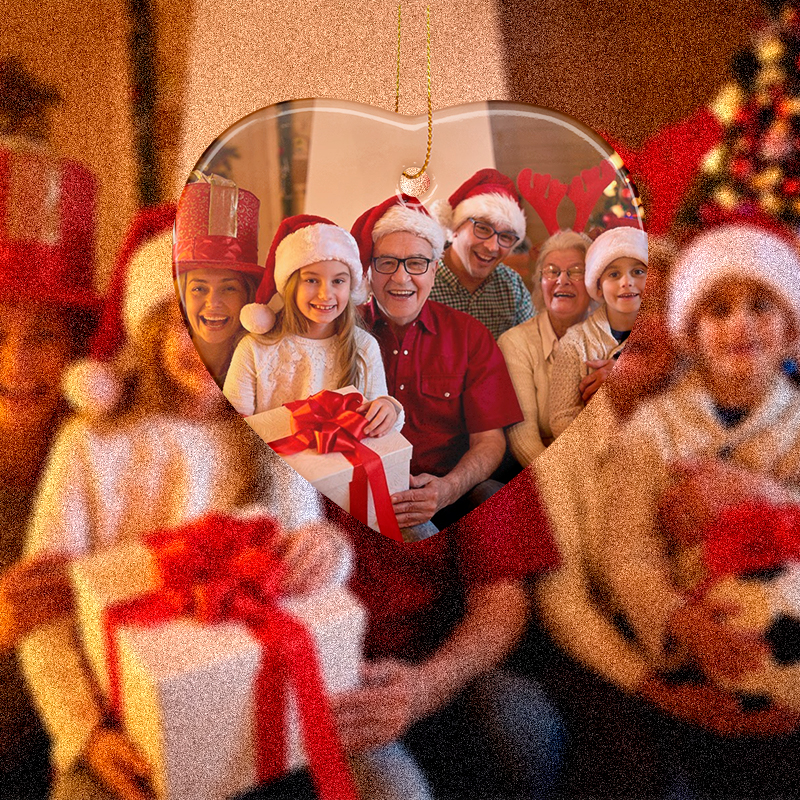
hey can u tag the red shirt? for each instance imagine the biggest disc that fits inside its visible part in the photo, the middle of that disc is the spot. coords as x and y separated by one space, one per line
414 593
450 377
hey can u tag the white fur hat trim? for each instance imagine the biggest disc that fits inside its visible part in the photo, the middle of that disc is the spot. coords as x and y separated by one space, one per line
257 318
616 243
92 388
150 281
315 243
498 209
733 251
402 219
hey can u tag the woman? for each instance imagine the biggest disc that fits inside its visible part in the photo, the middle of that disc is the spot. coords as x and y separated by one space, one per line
216 262
47 310
167 450
562 300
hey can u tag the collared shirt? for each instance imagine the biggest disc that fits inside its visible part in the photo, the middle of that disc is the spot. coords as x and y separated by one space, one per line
500 302
450 377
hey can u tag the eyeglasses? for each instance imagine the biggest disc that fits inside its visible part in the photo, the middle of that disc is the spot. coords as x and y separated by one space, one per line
573 273
485 231
388 265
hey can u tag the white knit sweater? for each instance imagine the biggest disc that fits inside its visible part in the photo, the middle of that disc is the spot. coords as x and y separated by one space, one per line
104 487
265 375
568 599
590 340
679 425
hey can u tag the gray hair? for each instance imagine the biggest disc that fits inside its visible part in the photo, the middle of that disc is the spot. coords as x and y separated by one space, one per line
560 240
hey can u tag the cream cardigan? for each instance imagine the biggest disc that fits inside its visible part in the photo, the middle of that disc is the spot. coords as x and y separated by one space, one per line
530 350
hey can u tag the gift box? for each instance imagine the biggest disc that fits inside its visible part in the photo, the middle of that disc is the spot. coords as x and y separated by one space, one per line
188 689
332 473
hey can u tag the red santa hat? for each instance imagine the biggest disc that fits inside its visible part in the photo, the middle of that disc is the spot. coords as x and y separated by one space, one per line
732 251
142 279
300 241
398 214
624 242
487 195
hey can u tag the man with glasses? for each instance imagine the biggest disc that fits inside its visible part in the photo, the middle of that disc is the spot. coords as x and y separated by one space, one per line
440 364
487 221
444 612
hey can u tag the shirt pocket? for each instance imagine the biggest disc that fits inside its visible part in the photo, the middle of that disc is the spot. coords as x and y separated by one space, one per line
442 387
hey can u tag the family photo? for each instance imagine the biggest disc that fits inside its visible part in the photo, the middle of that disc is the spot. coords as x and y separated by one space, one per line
327 475
444 311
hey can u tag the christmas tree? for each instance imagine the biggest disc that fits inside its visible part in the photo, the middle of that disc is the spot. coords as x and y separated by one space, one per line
754 170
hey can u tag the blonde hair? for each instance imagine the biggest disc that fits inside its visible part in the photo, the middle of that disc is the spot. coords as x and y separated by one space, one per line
560 240
290 321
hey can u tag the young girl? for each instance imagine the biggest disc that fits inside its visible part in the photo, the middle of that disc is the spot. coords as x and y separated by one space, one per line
216 255
616 270
315 343
170 451
735 310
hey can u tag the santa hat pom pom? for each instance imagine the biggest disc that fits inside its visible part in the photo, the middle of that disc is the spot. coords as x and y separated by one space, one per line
92 388
442 212
257 318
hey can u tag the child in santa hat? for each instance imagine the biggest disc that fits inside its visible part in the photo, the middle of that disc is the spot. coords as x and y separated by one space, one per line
616 271
159 447
314 342
730 426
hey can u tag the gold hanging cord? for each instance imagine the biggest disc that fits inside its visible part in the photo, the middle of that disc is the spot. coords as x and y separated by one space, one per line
420 171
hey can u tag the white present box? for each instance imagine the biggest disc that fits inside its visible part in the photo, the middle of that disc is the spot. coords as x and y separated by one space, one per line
331 473
188 688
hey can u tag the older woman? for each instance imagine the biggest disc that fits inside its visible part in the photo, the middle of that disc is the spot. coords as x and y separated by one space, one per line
216 261
529 349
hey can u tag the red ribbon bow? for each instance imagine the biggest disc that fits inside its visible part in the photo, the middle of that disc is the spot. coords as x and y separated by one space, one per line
750 537
329 422
222 569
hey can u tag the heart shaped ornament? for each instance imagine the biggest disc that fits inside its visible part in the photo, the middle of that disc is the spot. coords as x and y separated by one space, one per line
348 303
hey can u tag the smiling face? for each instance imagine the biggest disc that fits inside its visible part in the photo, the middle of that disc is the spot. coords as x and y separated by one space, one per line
475 259
213 299
622 284
323 292
181 363
565 298
35 348
401 296
740 334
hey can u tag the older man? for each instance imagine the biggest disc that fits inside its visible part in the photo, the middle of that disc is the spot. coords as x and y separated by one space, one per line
487 221
444 612
441 365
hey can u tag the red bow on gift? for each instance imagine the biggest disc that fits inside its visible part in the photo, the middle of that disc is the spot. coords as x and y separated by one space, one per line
222 569
751 537
329 422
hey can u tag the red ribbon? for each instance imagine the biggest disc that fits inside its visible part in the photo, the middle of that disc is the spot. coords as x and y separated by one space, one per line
329 422
215 248
752 536
221 569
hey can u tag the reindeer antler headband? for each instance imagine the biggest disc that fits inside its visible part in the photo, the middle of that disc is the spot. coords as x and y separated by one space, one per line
545 193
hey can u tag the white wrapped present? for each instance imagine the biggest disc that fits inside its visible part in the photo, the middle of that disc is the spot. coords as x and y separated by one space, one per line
332 473
188 689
